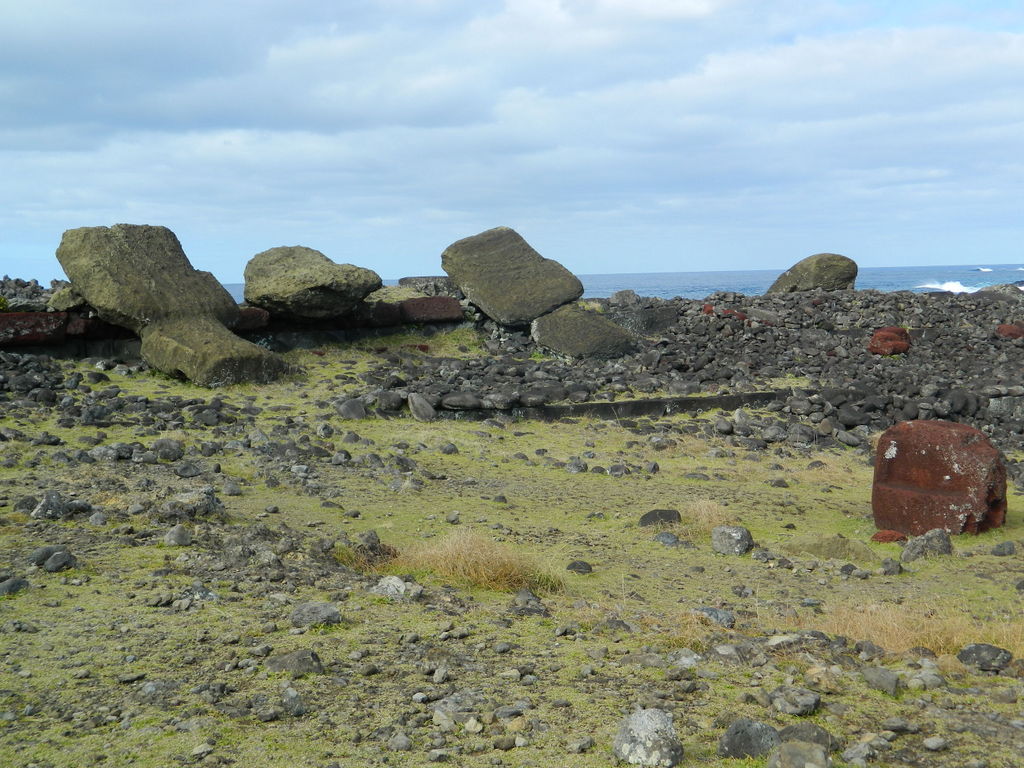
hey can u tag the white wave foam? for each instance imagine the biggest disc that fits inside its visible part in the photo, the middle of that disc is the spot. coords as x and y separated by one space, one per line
984 269
953 286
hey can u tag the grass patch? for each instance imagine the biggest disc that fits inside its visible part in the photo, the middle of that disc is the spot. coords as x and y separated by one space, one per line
701 516
899 628
468 558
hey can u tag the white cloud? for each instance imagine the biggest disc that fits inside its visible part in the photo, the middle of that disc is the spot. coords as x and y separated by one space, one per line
396 127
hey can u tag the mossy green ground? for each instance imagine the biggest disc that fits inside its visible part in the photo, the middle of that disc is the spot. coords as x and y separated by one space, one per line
509 482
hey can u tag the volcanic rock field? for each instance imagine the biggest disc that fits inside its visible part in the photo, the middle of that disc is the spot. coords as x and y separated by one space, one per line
304 573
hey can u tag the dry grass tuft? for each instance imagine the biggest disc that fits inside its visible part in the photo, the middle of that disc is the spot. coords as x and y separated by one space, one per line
701 516
470 559
898 628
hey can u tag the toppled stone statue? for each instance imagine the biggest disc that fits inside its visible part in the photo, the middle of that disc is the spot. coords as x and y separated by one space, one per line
138 277
508 280
300 283
827 271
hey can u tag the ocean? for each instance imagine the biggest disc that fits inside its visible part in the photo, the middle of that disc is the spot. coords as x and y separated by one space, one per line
697 285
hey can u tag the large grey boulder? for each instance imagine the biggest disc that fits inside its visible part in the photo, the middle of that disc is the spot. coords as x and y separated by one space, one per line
301 283
138 276
647 737
574 331
827 271
509 281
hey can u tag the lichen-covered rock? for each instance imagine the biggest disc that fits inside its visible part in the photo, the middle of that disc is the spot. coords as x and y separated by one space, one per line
138 277
573 331
302 283
508 280
647 737
827 271
938 474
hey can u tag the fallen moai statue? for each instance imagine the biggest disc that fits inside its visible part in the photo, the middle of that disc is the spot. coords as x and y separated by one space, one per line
138 277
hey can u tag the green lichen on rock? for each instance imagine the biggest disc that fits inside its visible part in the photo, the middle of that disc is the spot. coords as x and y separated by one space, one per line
302 283
825 271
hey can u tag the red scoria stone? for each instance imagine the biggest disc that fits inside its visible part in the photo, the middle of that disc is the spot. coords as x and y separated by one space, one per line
937 474
251 319
891 340
18 328
708 309
1010 331
431 309
888 537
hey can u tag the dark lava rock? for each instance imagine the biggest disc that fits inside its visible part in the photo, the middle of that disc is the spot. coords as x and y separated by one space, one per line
314 614
580 566
748 738
986 657
297 663
661 517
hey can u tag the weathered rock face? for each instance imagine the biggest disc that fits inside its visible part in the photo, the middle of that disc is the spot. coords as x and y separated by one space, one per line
508 280
301 283
572 330
891 340
938 474
828 271
647 737
138 277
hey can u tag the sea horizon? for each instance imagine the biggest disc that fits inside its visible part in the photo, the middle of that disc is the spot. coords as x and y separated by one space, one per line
956 278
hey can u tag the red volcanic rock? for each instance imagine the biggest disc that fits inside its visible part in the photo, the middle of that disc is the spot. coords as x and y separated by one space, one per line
431 309
18 328
734 313
251 319
1010 331
888 537
937 474
708 309
891 340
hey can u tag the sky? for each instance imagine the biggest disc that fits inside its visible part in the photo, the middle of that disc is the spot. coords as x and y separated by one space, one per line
614 135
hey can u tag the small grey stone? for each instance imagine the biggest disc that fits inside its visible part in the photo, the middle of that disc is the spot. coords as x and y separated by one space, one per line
399 742
935 743
12 585
312 614
178 536
1004 549
791 700
660 517
647 737
581 567
881 679
933 542
731 540
579 746
60 561
799 754
667 539
719 616
420 407
293 703
805 730
39 556
296 663
352 408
